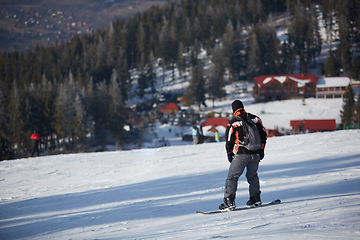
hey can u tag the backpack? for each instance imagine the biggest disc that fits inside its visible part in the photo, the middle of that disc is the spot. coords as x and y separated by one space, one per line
252 138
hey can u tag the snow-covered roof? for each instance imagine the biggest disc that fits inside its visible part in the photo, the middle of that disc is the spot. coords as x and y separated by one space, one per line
300 79
333 82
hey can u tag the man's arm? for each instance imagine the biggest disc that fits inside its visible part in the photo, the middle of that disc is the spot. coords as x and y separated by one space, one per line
229 140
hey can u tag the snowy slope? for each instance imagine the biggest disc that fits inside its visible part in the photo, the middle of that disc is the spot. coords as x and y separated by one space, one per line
154 193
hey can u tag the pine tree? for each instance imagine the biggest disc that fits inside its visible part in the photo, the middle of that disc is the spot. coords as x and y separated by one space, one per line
328 7
196 90
77 121
151 72
47 107
142 83
355 67
16 120
287 57
101 106
215 76
254 11
141 39
168 45
181 63
123 73
269 46
253 53
304 36
357 112
227 44
65 116
347 113
331 68
116 113
32 110
62 114
6 151
344 46
111 40
89 109
187 37
238 56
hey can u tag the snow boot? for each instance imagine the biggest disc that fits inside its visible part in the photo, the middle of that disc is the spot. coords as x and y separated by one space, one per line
254 201
228 204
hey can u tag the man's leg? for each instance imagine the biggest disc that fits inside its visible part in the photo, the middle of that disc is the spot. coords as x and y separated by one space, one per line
252 176
236 169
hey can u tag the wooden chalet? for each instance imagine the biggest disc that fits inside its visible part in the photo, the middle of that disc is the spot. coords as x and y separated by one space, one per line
280 87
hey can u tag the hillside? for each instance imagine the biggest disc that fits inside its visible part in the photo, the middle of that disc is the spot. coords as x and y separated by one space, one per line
23 24
154 193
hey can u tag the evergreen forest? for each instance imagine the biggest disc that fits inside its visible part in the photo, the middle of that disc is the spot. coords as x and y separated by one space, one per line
75 93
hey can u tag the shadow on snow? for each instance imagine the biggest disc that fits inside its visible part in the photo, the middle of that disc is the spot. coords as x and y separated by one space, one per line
166 197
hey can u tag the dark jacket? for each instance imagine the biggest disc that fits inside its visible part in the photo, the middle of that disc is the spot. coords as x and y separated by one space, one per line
234 133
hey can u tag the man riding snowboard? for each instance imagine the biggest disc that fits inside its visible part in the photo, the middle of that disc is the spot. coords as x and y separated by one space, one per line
245 143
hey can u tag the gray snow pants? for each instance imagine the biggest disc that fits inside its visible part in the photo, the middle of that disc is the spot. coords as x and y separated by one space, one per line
237 166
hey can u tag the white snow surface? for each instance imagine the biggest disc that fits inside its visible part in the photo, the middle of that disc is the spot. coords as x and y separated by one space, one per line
155 193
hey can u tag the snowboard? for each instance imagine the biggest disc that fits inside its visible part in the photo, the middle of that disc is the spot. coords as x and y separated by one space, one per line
278 201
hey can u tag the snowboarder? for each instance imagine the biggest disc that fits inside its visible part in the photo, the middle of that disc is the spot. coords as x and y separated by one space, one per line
35 140
240 157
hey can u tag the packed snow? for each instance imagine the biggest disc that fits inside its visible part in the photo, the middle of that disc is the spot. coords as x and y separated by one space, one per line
155 193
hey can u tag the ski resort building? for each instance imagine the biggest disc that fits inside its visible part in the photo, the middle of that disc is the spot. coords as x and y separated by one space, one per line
332 87
280 87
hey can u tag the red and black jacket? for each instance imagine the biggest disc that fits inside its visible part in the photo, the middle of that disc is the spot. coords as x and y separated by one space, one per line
35 140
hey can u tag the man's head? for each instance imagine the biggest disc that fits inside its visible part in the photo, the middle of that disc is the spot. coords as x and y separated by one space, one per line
236 105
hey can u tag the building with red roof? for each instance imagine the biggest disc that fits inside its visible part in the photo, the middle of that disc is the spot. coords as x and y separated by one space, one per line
216 121
313 125
169 108
279 87
273 133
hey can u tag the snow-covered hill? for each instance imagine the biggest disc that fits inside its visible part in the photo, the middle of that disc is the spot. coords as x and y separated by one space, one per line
154 193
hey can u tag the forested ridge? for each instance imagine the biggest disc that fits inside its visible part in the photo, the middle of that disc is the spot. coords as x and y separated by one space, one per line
71 90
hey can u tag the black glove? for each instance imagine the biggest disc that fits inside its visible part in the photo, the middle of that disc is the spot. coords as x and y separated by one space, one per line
230 157
262 155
